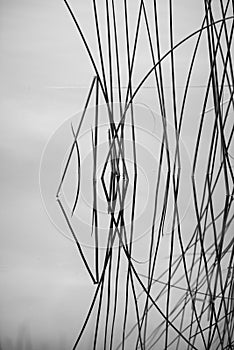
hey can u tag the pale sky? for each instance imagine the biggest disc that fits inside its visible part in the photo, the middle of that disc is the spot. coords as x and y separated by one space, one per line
45 75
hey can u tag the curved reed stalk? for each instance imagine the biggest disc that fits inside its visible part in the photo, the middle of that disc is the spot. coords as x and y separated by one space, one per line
188 301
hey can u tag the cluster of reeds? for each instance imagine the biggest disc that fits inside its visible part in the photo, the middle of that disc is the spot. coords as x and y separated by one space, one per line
190 303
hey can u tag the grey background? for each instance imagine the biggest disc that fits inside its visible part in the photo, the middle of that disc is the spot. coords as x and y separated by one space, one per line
45 75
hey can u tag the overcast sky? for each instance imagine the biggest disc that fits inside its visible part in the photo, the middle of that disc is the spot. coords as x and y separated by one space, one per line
45 75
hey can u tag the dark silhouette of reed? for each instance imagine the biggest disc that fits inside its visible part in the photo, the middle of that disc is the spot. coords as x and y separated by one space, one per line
192 298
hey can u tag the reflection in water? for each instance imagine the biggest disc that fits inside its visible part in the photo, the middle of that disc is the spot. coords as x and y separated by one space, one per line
162 263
